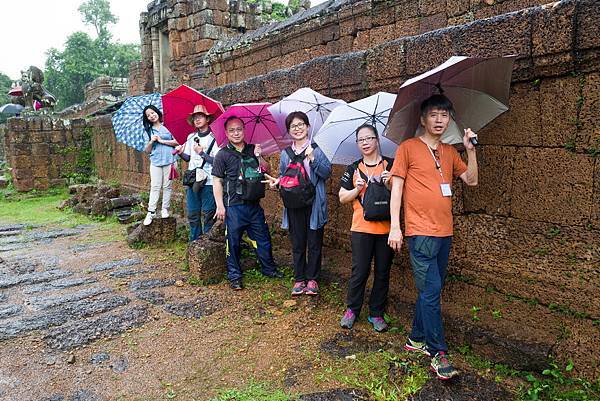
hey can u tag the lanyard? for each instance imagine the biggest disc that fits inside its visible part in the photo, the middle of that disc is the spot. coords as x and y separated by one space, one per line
438 164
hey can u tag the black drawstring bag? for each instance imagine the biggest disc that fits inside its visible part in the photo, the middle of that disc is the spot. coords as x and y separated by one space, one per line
376 199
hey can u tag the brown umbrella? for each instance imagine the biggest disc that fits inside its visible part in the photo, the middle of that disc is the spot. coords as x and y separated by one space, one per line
477 87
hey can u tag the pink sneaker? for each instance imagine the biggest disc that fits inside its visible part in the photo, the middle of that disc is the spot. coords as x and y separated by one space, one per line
298 288
312 288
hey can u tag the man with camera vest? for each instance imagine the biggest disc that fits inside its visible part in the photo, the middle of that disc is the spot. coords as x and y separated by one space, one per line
238 172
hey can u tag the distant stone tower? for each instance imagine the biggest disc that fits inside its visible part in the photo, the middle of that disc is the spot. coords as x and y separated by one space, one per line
175 34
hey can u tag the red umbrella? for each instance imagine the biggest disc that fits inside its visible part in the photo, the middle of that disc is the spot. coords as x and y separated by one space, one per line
16 91
179 104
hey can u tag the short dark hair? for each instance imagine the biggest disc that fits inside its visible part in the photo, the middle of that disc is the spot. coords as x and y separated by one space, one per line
437 102
231 118
296 114
368 126
147 124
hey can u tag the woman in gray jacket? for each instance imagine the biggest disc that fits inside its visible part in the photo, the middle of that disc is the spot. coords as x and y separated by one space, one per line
306 224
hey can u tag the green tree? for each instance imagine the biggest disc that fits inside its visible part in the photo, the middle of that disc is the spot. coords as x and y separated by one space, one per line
279 12
84 59
97 13
5 83
68 71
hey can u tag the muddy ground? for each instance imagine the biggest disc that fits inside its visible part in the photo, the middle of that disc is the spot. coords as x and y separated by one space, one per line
83 317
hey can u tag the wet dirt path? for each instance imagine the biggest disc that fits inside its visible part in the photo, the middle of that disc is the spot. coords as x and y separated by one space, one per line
84 318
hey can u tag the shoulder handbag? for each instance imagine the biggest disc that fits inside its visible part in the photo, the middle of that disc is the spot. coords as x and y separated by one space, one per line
197 175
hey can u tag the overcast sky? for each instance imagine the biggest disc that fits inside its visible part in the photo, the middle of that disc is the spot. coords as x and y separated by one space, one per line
28 28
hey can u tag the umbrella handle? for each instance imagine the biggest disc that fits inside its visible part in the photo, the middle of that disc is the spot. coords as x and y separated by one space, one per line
474 141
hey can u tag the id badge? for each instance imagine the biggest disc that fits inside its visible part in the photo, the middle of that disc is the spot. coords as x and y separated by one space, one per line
446 189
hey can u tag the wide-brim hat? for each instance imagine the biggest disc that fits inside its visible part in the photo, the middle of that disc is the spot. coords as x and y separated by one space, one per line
199 108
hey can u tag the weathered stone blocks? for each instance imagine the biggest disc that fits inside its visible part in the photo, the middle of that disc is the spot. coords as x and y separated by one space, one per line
559 103
206 255
552 185
493 193
521 125
160 231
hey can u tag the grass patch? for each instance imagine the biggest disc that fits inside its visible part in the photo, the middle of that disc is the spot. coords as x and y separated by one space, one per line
370 372
40 208
554 384
253 392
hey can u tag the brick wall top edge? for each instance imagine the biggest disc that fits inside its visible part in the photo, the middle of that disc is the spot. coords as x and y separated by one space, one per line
329 7
247 40
410 44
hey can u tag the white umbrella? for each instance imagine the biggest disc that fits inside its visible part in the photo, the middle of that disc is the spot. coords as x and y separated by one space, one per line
316 106
337 138
477 87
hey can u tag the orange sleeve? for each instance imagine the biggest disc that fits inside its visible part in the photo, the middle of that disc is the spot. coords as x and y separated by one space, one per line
458 165
400 166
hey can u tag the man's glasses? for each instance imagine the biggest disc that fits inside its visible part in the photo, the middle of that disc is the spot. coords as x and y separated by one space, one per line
297 126
366 140
234 130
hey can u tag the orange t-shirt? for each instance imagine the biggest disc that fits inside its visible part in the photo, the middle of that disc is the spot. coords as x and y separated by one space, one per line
426 210
348 181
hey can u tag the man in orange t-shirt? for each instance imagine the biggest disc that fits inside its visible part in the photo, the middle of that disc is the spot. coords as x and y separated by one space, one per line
423 171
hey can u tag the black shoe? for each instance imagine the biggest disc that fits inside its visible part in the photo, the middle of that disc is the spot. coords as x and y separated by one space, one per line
236 285
275 274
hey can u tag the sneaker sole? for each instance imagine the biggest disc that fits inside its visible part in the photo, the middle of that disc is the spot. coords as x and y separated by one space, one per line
413 349
346 326
297 294
440 377
311 293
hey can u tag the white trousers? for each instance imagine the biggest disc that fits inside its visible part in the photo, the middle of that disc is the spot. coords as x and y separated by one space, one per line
159 178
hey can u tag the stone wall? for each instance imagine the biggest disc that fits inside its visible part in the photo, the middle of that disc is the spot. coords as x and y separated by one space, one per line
2 146
190 29
333 27
116 162
45 152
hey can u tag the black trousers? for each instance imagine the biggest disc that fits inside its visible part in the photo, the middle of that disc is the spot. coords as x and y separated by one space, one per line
365 247
303 239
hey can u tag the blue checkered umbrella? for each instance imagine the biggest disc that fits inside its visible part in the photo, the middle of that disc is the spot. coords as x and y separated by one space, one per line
127 121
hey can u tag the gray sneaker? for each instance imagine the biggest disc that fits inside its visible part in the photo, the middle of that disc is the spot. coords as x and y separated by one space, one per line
378 323
440 364
348 319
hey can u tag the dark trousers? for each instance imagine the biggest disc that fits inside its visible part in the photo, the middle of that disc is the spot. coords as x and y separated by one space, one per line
365 248
429 260
251 219
303 239
201 208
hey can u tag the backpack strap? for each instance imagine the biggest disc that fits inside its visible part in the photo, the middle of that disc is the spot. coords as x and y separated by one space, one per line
290 153
208 153
389 163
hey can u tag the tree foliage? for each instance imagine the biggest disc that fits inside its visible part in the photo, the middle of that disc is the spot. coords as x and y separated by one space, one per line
97 13
84 59
5 83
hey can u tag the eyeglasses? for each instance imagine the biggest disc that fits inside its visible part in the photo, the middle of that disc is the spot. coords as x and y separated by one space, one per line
297 126
234 130
365 140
